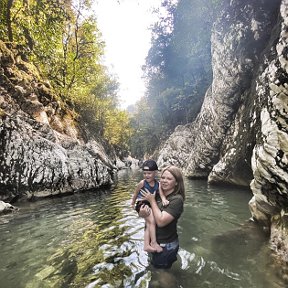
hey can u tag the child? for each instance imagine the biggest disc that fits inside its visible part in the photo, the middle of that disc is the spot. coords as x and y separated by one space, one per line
149 183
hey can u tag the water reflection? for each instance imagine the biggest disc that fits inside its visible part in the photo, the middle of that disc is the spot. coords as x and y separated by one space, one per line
96 240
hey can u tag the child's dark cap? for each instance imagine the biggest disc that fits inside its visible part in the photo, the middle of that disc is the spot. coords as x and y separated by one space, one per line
149 165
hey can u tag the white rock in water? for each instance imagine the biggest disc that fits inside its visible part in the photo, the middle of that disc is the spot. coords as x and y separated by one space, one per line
5 207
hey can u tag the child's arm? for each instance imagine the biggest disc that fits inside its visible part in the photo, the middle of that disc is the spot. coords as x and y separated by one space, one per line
165 202
136 191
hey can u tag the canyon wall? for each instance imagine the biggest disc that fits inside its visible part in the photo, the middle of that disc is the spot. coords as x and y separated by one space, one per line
241 133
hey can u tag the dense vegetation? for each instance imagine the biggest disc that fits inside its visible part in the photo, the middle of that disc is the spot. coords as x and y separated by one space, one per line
62 39
178 71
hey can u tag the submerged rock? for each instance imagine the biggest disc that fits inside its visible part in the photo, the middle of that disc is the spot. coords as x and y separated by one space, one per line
6 207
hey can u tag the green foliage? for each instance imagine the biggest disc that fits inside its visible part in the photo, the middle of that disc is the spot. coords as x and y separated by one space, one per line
62 39
117 128
147 133
178 66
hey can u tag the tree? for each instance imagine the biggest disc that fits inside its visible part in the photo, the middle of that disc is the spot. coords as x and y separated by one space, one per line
62 39
178 67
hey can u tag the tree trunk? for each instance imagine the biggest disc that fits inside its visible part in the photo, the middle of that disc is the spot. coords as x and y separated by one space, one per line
8 20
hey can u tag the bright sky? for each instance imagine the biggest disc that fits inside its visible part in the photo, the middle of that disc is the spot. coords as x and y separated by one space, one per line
125 30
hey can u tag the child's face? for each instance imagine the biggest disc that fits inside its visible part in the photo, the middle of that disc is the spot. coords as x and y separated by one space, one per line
149 175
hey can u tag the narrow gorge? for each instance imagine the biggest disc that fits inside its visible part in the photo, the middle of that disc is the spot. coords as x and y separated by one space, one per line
240 136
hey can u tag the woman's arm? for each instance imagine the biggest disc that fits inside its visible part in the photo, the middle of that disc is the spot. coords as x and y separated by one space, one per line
162 218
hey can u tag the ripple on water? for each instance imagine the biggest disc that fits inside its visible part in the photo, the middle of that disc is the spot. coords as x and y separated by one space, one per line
96 240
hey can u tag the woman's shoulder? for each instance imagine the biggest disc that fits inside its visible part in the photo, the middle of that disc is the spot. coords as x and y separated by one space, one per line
176 204
177 196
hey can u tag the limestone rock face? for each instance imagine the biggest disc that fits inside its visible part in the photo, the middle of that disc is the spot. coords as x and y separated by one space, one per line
240 135
42 152
270 154
219 143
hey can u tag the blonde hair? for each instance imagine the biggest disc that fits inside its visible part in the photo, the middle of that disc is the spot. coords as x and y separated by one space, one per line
177 173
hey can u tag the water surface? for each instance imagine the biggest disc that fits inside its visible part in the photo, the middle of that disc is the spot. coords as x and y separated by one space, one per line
94 239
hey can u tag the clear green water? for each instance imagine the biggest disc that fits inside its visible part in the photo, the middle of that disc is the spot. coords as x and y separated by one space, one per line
95 240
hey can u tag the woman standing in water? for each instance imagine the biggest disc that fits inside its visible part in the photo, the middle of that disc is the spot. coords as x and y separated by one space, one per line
166 217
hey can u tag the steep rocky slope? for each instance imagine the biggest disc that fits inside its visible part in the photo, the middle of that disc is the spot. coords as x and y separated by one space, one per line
241 134
42 149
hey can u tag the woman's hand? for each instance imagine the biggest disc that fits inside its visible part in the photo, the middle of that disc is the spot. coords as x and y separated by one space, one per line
144 211
165 202
147 195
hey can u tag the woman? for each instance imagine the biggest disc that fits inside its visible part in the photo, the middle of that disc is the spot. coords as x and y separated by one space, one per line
166 218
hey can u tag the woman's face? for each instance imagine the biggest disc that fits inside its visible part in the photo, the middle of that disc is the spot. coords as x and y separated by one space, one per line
168 181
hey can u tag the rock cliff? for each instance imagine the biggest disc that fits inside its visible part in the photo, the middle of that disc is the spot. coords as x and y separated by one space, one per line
42 148
240 135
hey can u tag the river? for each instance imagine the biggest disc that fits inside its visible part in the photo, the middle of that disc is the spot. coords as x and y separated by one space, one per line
94 239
